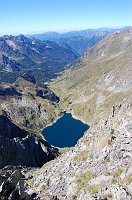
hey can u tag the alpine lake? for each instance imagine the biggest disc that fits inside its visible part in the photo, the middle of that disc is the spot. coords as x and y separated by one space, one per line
65 132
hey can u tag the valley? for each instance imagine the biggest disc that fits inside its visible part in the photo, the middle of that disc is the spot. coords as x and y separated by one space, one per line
42 59
96 89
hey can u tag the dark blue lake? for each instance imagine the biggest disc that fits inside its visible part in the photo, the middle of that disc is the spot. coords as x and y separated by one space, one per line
65 132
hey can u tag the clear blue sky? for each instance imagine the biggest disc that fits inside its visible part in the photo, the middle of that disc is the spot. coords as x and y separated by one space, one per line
32 16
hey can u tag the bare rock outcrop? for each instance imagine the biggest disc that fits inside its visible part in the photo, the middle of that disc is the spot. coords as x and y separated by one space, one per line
18 147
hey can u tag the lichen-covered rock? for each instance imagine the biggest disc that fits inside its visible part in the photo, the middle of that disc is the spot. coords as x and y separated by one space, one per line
13 185
10 130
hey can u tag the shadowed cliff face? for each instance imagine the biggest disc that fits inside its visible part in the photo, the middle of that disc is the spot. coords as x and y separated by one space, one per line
9 91
28 152
18 147
10 130
22 108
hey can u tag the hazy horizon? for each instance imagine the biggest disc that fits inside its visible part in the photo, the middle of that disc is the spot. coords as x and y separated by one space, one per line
64 31
39 16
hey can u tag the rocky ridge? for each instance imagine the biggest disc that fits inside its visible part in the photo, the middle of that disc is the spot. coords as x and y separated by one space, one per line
96 89
29 105
25 109
20 148
99 166
94 81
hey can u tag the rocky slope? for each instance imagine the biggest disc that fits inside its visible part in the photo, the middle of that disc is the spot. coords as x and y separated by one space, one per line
96 89
99 167
27 151
20 140
19 53
29 105
100 79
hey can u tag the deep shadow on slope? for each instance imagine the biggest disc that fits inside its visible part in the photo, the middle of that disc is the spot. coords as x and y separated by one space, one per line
17 147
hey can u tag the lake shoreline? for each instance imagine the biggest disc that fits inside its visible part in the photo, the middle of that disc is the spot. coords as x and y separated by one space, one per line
65 131
62 114
77 117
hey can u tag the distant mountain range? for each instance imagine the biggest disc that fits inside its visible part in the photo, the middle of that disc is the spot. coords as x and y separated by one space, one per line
88 32
79 41
42 58
44 55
